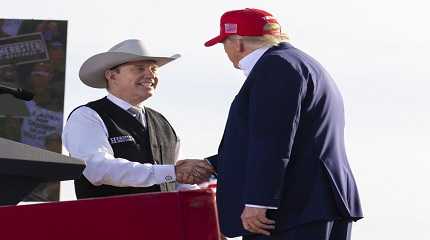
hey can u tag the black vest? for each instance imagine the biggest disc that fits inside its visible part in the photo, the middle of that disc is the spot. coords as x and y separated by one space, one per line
130 140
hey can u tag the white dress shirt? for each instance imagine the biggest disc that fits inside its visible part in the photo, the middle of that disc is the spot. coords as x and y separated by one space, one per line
246 64
85 136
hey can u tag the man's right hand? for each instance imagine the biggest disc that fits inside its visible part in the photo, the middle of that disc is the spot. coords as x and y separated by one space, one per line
193 171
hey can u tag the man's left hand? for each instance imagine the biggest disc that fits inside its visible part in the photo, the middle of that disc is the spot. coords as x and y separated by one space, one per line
193 171
255 220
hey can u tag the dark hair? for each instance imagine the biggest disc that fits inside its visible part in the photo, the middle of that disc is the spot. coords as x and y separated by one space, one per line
116 67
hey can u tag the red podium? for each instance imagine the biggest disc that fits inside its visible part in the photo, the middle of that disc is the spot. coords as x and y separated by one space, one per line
187 215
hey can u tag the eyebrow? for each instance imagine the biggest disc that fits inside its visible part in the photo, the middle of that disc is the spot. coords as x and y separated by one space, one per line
146 64
151 65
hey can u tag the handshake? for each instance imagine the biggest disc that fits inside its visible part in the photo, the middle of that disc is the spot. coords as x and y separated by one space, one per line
193 171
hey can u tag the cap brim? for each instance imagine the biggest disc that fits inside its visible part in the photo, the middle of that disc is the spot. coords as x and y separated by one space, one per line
92 71
215 40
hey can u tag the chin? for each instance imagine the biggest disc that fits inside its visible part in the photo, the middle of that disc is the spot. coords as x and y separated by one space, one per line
148 95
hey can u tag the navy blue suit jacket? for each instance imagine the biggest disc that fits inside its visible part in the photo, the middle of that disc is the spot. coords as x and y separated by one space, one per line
283 146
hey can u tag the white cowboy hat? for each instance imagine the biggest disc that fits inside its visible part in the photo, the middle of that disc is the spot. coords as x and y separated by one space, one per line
92 72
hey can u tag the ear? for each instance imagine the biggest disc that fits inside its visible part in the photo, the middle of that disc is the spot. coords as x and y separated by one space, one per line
241 46
109 75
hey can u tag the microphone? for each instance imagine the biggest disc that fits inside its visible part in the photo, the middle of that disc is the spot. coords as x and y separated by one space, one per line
17 92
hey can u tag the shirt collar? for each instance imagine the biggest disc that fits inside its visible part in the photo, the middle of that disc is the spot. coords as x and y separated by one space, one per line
121 103
247 63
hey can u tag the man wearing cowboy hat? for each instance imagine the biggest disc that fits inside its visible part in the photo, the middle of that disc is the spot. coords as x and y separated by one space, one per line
281 165
127 148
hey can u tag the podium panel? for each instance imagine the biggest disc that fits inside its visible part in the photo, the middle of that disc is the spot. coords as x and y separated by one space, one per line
23 167
186 215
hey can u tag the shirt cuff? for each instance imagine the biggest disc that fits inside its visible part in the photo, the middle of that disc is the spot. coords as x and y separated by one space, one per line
182 187
259 206
164 173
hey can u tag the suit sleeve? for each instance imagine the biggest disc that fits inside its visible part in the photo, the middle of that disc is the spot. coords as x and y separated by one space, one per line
274 111
213 160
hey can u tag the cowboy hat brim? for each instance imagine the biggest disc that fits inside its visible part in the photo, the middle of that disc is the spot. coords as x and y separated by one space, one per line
92 71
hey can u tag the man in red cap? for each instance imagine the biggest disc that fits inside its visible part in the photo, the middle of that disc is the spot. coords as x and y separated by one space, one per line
282 168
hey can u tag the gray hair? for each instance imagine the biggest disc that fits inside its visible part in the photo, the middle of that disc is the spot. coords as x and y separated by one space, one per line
267 40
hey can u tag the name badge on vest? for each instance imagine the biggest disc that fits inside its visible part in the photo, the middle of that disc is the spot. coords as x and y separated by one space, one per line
121 139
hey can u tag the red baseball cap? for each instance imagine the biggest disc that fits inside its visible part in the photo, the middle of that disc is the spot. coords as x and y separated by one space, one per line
246 22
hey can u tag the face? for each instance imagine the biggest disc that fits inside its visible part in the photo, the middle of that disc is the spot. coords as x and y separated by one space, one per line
232 48
40 80
41 76
133 82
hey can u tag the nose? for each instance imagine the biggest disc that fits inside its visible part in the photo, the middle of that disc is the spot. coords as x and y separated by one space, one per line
149 72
